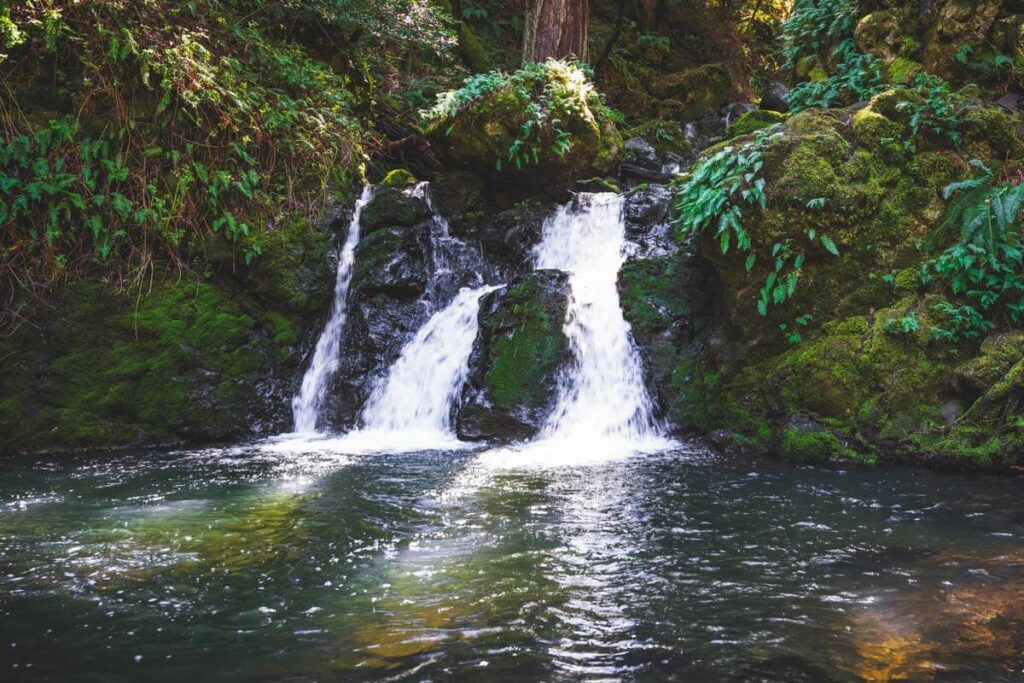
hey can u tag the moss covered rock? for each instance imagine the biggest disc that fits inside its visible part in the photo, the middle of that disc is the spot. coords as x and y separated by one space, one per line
861 377
752 121
689 94
539 127
515 363
185 362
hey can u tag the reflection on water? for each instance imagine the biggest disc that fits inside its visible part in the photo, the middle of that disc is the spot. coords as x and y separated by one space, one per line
315 561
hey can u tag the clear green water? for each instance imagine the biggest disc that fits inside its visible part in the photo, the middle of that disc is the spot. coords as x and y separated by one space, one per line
242 565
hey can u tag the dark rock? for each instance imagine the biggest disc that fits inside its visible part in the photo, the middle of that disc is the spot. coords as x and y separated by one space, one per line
393 207
640 153
647 213
508 237
394 262
514 367
775 97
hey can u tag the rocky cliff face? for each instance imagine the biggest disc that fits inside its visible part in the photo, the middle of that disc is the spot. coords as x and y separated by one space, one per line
181 360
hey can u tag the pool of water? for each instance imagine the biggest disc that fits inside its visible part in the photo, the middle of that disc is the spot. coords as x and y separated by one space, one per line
307 563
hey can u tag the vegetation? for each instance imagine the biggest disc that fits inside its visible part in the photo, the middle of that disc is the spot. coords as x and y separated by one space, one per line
547 96
984 268
139 132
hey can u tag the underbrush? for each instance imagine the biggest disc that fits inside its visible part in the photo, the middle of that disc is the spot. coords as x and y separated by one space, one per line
136 130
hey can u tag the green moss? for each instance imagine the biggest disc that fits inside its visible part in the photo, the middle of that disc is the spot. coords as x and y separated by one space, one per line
541 124
902 70
290 272
398 177
997 129
119 369
651 294
754 121
689 94
874 130
819 446
528 346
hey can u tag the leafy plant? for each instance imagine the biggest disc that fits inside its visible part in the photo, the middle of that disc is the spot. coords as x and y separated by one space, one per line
907 324
550 95
792 332
713 196
857 77
984 267
191 120
654 41
813 25
938 111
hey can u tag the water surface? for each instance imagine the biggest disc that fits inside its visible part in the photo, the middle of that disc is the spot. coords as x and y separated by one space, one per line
307 564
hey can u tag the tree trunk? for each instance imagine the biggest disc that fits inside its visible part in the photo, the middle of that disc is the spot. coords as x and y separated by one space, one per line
555 29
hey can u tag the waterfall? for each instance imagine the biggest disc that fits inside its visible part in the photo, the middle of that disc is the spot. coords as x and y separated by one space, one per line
306 405
416 396
602 396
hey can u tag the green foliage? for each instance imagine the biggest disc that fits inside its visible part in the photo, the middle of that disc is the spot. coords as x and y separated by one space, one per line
858 77
984 267
551 94
939 110
194 120
814 25
713 197
792 332
988 65
907 324
654 41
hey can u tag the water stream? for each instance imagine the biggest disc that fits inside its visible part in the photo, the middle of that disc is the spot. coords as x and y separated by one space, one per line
306 405
602 394
415 399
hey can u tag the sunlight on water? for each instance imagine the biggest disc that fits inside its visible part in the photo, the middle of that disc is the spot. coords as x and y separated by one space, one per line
281 561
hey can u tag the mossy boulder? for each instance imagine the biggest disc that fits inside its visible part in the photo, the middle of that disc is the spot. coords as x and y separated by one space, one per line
752 121
843 175
862 377
689 94
481 127
519 352
187 361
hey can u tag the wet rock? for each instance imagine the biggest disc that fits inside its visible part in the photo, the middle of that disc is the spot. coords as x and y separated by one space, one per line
775 97
513 380
647 214
508 237
393 206
640 153
394 262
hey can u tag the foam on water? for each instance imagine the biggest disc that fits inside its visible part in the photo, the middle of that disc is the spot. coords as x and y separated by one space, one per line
603 410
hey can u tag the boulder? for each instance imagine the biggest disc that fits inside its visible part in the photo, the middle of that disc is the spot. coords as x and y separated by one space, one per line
515 364
689 94
483 130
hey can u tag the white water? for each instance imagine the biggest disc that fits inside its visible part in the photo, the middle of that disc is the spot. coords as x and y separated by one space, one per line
603 409
306 405
413 403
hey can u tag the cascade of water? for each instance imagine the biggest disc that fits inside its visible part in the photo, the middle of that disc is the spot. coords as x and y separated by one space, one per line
306 405
455 263
417 394
602 395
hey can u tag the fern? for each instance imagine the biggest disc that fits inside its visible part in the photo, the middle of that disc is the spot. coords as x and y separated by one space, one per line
984 267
